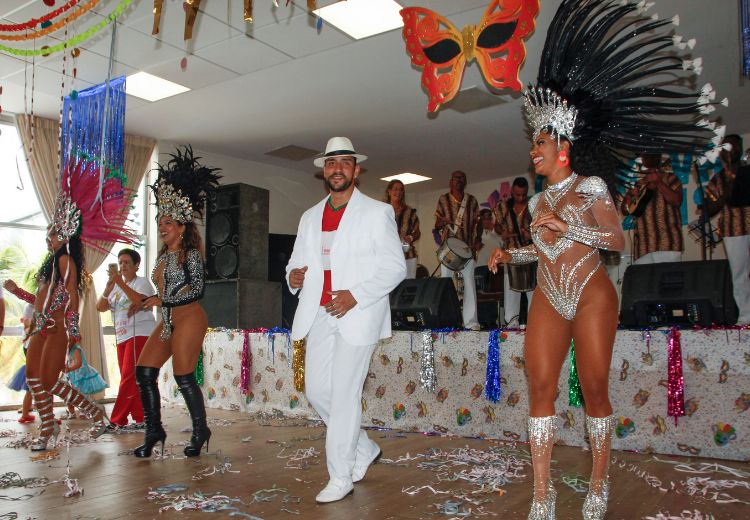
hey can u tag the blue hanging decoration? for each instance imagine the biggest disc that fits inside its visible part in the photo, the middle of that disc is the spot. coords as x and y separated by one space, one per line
93 126
745 37
492 388
575 395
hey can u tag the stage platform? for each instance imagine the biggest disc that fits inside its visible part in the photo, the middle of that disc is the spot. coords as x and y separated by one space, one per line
716 374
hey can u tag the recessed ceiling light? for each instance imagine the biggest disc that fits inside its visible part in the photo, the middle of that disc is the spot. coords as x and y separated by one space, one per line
362 18
406 178
151 88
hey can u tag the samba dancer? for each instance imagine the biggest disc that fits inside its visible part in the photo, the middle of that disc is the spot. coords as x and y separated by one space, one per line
61 279
597 44
181 189
456 216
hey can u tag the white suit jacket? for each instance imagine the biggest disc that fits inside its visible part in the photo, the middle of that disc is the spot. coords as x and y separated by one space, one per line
366 259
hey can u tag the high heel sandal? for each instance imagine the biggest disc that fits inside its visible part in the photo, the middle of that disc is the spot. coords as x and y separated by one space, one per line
40 444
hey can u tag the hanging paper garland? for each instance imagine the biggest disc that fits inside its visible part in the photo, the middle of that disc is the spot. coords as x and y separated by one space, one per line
30 24
675 380
575 395
199 369
745 36
427 363
85 35
492 384
298 365
246 364
52 27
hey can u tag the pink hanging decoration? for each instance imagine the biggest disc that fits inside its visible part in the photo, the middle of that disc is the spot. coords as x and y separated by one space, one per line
675 380
246 365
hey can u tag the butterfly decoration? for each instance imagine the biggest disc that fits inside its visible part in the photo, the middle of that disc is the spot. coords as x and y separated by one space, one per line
442 51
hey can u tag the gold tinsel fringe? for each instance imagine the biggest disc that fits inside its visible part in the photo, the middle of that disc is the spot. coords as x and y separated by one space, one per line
298 364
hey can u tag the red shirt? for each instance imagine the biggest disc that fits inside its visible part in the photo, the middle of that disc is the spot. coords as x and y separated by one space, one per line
330 224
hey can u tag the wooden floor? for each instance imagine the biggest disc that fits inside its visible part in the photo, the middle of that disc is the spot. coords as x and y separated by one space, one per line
117 485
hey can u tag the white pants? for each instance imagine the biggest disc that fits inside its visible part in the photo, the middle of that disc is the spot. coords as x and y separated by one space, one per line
411 268
658 257
738 254
512 299
335 372
470 293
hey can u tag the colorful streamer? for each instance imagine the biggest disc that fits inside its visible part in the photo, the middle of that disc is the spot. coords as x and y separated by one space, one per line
53 27
72 42
191 13
30 24
675 380
158 4
246 364
745 37
427 378
575 395
298 365
199 369
492 384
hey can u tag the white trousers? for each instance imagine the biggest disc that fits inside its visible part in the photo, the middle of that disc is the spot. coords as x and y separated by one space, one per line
658 257
335 372
470 293
738 254
411 267
512 300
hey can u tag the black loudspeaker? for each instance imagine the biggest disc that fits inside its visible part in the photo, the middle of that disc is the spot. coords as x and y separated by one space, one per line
237 233
425 303
280 249
243 304
678 293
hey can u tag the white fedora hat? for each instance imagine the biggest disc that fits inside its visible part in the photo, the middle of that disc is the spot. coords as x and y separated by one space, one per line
336 147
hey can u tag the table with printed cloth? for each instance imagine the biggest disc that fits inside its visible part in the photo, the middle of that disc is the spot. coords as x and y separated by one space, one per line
716 370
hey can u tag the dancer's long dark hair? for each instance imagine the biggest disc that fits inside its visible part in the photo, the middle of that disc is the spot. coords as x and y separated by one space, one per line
74 249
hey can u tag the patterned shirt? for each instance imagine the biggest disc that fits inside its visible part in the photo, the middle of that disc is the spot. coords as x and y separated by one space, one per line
465 229
329 226
505 223
733 221
660 226
406 223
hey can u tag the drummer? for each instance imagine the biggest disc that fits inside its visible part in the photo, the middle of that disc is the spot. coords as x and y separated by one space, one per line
456 216
514 226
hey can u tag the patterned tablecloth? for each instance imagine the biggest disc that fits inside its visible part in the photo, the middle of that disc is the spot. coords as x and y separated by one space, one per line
716 373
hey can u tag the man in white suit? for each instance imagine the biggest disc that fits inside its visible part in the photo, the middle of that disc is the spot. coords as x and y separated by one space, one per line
347 258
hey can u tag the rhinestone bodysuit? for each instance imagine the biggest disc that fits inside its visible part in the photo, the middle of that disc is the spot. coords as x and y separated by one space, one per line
178 284
567 261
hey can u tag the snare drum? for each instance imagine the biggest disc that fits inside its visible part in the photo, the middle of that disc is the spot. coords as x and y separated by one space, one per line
454 254
522 278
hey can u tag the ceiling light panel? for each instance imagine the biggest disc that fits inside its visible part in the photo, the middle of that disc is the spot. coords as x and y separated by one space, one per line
362 18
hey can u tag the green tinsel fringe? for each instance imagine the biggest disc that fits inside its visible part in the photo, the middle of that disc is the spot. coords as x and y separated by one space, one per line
575 396
199 370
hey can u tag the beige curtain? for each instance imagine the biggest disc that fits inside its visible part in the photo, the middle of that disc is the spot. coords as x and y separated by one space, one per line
43 167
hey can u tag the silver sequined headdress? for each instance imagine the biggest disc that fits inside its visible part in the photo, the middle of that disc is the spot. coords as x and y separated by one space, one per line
182 186
602 84
67 217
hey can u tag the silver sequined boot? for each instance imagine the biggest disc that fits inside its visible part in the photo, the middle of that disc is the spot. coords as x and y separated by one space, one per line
541 439
600 437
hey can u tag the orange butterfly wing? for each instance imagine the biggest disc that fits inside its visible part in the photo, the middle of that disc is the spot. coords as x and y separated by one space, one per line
499 40
435 46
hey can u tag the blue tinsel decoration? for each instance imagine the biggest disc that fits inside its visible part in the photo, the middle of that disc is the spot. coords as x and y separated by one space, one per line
745 36
84 121
492 389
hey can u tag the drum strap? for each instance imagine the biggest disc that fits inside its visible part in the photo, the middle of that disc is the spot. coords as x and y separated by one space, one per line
459 217
516 227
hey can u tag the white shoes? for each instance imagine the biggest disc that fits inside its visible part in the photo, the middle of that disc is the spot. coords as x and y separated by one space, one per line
334 492
359 471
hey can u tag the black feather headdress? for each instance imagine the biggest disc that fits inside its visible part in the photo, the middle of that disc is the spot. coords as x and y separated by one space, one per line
182 186
612 80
